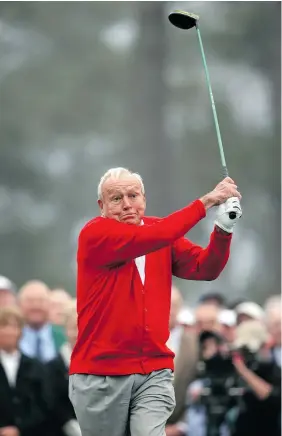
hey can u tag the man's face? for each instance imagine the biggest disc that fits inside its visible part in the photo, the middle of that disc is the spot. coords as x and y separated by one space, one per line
123 200
58 304
228 332
9 336
207 318
34 304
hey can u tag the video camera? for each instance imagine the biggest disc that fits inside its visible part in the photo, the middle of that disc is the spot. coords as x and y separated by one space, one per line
222 387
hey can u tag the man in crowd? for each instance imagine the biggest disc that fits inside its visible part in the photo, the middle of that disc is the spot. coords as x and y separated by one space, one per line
63 420
185 347
249 311
260 407
59 301
39 339
121 369
24 404
207 318
215 298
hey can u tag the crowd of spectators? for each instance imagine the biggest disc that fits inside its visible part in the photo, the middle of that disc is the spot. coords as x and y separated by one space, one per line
227 364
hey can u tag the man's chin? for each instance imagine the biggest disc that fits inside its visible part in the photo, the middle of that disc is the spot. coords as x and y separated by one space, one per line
131 220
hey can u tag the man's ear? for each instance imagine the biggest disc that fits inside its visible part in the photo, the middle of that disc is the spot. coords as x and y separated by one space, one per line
145 200
100 204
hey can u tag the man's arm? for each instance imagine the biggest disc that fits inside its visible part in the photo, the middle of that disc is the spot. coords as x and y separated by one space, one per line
268 389
192 262
109 241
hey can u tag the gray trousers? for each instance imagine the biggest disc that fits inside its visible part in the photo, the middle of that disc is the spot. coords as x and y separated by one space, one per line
135 405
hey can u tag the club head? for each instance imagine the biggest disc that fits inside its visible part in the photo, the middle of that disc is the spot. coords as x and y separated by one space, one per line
183 20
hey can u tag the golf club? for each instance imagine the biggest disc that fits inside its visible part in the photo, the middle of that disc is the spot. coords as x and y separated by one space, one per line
186 20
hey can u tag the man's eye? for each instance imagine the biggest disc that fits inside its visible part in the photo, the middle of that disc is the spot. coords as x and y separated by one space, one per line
116 199
133 195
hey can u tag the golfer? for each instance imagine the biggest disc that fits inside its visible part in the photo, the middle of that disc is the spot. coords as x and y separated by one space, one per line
121 372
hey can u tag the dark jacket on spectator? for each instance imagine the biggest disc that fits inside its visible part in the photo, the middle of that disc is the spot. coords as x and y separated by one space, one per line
262 417
62 410
25 405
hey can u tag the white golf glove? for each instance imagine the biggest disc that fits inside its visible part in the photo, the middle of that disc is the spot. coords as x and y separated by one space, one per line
223 219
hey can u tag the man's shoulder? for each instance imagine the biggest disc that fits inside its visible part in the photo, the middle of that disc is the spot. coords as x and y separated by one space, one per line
95 221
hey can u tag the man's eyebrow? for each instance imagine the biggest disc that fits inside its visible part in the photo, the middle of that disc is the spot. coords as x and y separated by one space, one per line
114 192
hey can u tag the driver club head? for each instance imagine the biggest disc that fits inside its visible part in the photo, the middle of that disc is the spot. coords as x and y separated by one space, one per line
183 20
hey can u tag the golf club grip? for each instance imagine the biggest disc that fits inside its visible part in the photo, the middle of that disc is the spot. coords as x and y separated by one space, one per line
232 215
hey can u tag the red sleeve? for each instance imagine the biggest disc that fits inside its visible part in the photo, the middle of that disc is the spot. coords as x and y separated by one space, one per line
192 262
108 241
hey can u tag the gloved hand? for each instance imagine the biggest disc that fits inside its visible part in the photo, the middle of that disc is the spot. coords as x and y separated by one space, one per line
222 216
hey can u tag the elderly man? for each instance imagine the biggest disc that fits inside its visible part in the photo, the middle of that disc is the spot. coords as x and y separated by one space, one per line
39 339
121 369
59 301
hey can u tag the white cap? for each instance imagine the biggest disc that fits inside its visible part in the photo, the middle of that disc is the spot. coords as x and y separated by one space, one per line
251 309
251 334
186 317
227 317
6 284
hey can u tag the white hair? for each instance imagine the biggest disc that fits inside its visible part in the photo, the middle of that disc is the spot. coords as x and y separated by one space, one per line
118 173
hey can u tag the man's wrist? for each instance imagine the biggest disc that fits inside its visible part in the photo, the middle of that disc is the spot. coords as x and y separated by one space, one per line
221 231
207 201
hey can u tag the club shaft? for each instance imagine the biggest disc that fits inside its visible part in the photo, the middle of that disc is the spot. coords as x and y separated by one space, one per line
219 140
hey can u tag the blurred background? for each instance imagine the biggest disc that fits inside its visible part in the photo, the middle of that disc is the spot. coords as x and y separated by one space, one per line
86 86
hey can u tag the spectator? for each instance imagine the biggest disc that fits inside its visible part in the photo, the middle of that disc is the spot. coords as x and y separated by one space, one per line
7 292
23 394
184 345
273 324
206 318
213 298
64 421
248 311
40 339
259 413
59 300
200 416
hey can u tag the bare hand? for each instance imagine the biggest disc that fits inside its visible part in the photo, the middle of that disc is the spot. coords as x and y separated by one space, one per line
238 363
173 430
9 431
224 190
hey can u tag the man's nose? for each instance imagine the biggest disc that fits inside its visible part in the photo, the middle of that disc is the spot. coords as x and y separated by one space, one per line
126 203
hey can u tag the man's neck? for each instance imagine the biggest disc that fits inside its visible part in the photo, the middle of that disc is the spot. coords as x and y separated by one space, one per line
37 326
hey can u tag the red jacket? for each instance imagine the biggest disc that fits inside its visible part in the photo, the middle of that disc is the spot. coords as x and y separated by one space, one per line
123 325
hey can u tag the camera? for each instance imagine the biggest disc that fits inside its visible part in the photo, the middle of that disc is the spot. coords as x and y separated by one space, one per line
221 386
